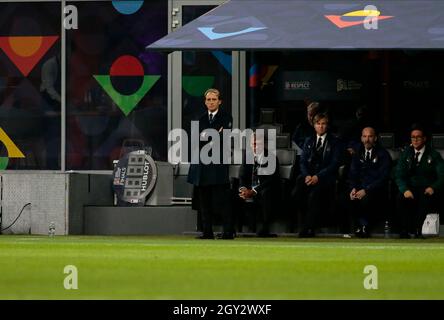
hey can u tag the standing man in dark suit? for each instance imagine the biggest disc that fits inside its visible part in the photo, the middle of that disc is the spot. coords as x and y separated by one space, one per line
319 166
368 178
260 188
211 180
420 179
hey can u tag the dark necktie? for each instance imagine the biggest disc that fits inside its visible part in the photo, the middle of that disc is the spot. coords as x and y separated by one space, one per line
367 156
211 118
255 178
416 160
319 144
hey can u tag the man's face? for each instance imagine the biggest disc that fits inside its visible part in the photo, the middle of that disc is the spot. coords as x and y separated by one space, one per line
368 138
418 139
321 126
212 101
257 144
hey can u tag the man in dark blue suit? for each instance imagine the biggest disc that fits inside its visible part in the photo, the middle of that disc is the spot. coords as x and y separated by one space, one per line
368 178
211 178
319 166
260 188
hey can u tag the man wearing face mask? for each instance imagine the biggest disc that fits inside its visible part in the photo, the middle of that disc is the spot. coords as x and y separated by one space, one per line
368 177
420 179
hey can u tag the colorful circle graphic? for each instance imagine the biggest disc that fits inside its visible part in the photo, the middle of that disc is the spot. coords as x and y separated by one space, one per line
126 74
25 46
126 66
127 7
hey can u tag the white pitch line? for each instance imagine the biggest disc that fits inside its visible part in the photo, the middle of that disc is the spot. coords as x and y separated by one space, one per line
276 245
311 246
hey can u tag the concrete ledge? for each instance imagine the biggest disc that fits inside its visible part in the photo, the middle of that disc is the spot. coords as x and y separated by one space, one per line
168 220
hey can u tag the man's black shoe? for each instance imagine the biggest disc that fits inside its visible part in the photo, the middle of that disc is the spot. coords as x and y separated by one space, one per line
309 233
266 235
206 236
418 235
362 232
226 236
404 235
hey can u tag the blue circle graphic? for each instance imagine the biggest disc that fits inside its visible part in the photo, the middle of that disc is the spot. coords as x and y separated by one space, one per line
127 7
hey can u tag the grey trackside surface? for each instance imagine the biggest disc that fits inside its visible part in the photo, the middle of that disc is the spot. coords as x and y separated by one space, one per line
139 220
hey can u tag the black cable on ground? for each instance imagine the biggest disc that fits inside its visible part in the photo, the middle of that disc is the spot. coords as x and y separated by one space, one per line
17 217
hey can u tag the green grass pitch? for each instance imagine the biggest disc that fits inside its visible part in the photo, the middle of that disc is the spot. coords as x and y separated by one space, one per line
181 267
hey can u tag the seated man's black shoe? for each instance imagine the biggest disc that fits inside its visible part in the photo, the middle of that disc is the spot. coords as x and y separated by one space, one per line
226 236
364 232
205 236
404 235
366 235
266 235
309 233
418 235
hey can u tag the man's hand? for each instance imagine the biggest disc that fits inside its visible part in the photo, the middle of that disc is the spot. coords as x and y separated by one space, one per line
408 195
313 181
245 193
353 194
360 194
429 191
351 151
242 192
307 180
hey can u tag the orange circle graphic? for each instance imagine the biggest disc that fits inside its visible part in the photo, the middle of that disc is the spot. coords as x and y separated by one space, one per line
25 46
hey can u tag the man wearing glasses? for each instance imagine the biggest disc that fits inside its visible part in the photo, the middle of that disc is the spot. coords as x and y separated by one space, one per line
420 179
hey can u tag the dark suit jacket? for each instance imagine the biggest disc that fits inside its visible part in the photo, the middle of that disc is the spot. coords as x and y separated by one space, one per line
370 175
328 167
266 182
211 174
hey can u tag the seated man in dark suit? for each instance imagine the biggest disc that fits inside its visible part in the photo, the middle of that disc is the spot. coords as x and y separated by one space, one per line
420 179
319 166
260 183
368 178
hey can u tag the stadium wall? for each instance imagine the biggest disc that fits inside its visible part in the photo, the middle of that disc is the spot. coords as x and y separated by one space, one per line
46 196
43 198
83 203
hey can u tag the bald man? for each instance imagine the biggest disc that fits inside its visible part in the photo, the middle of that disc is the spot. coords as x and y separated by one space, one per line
368 178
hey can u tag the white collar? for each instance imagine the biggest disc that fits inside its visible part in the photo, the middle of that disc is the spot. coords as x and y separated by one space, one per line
322 137
213 113
422 150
